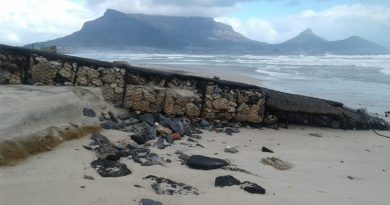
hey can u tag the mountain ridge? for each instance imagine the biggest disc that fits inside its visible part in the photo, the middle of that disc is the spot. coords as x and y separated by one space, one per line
116 30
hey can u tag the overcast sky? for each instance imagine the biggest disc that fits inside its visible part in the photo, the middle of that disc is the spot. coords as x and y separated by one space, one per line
272 21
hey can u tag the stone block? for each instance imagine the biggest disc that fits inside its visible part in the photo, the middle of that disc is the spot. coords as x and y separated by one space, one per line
220 103
144 98
251 105
182 102
44 71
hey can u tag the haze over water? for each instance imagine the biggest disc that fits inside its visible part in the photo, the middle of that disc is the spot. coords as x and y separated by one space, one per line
357 81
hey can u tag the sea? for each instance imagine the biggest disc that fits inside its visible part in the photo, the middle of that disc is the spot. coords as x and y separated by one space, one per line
358 81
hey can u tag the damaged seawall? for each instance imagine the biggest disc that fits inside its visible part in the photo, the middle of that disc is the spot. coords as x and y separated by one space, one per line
178 94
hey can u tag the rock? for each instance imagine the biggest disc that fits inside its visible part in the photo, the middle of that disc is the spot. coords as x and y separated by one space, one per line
164 121
204 124
169 139
276 163
175 136
130 121
163 186
124 116
226 180
108 168
270 119
148 118
159 144
252 188
110 125
315 134
108 152
89 112
182 155
205 163
162 130
231 149
199 145
112 117
182 126
99 140
155 159
89 177
124 143
265 149
145 201
140 138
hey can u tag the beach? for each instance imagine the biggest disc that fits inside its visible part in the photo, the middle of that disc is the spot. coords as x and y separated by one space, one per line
321 167
329 166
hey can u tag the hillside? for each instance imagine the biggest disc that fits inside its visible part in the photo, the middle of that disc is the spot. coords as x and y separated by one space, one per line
138 32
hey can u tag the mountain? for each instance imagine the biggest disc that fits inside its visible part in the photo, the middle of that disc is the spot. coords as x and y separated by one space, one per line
307 42
356 45
117 30
138 32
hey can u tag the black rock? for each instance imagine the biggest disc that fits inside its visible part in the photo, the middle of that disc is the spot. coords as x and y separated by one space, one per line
177 126
205 163
149 202
124 116
228 131
152 133
148 118
265 149
169 139
108 168
140 138
112 117
227 180
89 112
87 148
159 143
108 152
164 121
204 124
181 125
166 186
99 140
110 125
130 121
252 188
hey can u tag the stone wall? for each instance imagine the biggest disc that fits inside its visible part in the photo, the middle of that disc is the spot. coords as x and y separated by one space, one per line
174 94
138 91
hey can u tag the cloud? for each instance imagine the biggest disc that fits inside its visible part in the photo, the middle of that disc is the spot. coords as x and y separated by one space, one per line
253 28
211 8
27 21
24 21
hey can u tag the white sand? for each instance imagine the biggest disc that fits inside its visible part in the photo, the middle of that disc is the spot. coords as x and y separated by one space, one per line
27 109
34 118
318 175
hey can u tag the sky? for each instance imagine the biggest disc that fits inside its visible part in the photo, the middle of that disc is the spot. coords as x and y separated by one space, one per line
271 21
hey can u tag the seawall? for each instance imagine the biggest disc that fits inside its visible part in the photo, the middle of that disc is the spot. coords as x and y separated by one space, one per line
177 94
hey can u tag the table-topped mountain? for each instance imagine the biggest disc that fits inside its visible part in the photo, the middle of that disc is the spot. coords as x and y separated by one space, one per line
138 32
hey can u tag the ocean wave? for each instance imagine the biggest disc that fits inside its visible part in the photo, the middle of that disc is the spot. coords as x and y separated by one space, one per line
385 71
280 75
